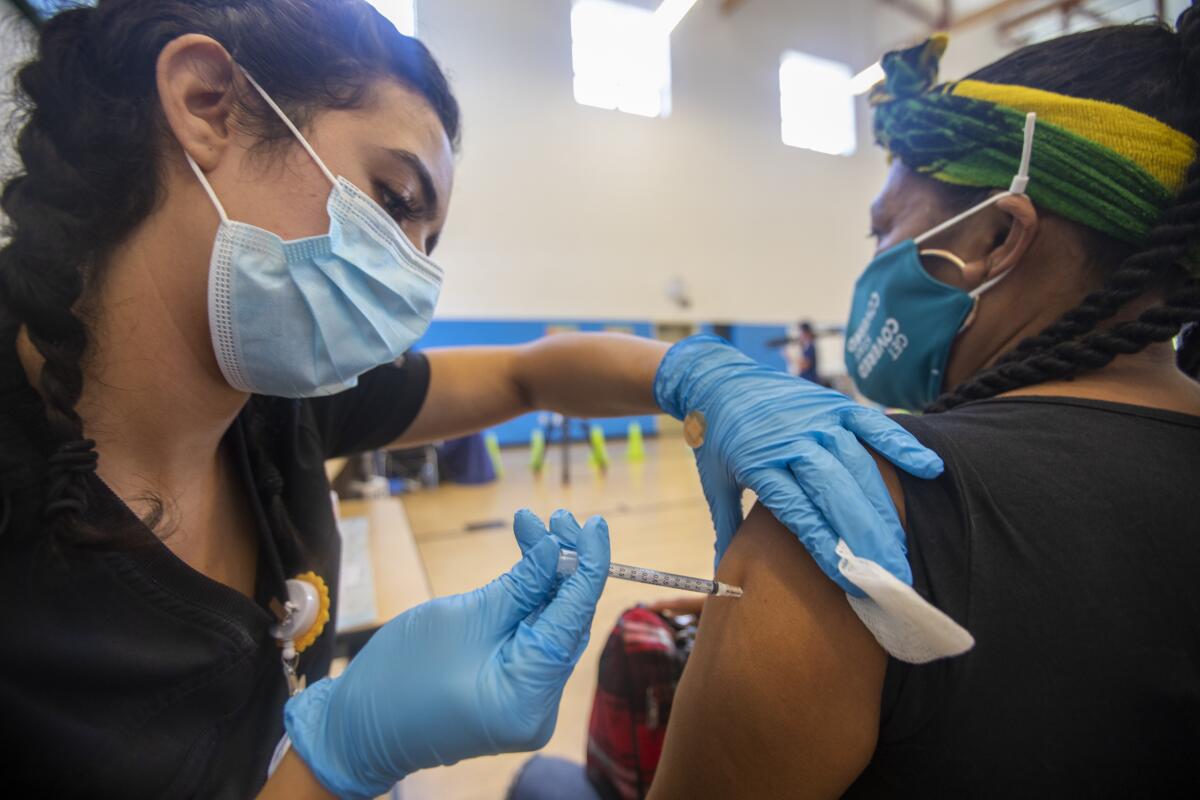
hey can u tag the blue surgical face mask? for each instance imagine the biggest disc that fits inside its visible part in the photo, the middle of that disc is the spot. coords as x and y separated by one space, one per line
903 322
306 317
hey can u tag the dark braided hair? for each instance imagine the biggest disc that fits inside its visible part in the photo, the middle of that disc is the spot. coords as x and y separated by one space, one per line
91 148
1155 71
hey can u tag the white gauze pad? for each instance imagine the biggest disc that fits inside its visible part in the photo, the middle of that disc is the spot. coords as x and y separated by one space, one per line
905 624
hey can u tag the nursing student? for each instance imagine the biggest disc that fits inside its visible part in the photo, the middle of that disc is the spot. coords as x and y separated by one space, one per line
219 257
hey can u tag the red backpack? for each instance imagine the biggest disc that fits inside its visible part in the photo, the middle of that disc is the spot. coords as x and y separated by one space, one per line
639 670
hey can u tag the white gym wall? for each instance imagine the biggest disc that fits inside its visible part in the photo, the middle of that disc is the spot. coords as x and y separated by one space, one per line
566 210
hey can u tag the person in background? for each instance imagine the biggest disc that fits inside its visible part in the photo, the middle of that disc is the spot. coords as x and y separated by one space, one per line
807 366
799 351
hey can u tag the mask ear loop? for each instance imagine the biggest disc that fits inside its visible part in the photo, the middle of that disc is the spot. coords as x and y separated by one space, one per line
295 131
207 186
316 158
1019 183
212 195
1017 187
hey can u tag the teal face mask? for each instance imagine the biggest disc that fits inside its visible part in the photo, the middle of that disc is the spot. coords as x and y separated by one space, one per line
903 322
306 317
904 325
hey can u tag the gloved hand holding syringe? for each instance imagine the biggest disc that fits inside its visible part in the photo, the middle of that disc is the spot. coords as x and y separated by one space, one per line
568 561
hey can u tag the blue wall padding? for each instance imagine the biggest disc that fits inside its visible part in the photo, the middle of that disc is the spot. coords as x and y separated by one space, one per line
752 340
460 333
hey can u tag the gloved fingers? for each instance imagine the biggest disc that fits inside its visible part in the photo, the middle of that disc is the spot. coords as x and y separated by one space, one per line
788 502
724 499
524 588
565 528
847 449
582 646
889 552
567 620
892 441
725 505
823 548
529 529
848 512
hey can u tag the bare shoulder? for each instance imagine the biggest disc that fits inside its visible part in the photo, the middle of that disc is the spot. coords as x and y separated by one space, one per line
781 696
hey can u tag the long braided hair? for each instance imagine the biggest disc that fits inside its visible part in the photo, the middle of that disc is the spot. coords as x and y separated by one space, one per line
1155 71
90 151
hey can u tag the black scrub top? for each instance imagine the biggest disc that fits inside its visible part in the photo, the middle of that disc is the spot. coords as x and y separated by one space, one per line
126 673
1063 534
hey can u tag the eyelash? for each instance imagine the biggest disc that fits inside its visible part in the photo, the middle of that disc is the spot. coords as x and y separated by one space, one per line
397 204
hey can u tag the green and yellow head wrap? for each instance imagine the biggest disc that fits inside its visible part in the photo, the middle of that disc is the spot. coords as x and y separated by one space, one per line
1100 164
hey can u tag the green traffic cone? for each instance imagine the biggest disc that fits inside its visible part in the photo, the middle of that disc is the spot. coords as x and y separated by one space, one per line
537 450
599 455
492 442
635 448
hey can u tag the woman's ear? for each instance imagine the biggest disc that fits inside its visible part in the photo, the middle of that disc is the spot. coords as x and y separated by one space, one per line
1010 246
195 78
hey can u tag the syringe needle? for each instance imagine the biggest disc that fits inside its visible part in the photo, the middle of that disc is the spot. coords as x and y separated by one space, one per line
568 562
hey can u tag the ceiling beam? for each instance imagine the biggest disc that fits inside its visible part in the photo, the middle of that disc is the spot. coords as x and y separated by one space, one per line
1065 7
914 10
946 14
984 14
946 20
1095 15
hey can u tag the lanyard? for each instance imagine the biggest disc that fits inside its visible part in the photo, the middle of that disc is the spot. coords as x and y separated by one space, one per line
262 525
296 602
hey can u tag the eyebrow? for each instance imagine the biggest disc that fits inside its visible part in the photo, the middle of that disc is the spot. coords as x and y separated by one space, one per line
413 162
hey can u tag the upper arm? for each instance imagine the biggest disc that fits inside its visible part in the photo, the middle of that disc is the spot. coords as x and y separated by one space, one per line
295 781
781 695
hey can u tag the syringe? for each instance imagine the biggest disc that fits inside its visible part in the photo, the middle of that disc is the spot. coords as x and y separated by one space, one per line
568 562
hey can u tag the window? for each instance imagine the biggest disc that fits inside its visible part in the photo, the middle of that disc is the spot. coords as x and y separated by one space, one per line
621 56
402 13
816 100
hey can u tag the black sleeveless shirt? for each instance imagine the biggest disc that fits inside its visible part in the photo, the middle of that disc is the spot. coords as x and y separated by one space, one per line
1065 536
126 673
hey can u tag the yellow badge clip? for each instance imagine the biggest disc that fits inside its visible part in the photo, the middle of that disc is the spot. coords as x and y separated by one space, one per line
302 619
306 612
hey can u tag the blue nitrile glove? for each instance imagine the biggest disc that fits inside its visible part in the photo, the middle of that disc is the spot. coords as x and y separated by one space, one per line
469 675
794 444
565 530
